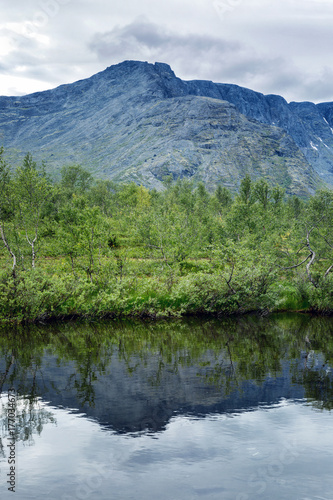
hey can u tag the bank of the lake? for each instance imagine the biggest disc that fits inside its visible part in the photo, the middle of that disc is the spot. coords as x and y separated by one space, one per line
36 295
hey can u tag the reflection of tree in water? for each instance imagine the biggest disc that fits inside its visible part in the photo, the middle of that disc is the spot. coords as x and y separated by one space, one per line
91 353
319 388
23 350
31 417
2 449
313 371
232 351
224 352
22 356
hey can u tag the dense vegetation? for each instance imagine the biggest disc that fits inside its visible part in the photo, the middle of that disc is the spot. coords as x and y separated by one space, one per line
93 248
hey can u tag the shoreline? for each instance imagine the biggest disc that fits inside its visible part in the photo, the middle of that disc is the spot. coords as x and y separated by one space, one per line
159 316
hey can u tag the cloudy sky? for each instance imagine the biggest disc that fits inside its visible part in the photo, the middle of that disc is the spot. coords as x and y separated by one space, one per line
272 46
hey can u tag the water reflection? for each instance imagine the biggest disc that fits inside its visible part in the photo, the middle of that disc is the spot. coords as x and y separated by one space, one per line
132 376
198 396
31 415
278 453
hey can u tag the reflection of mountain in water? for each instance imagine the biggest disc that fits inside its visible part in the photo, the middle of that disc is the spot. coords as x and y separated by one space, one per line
133 401
131 380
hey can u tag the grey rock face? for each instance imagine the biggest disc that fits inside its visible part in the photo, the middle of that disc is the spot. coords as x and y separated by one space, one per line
138 121
308 124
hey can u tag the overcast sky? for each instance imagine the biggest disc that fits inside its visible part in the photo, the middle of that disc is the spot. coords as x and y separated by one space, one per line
272 46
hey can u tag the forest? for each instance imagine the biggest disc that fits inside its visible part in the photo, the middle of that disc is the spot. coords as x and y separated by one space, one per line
84 247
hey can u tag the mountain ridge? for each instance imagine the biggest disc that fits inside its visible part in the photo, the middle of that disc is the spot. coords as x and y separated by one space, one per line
138 121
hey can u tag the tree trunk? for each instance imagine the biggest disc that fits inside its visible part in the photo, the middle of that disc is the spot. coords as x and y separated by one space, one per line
8 248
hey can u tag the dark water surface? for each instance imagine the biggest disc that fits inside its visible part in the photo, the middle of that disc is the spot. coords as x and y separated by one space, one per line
185 409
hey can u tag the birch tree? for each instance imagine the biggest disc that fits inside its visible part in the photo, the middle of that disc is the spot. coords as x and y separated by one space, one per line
314 239
32 192
6 207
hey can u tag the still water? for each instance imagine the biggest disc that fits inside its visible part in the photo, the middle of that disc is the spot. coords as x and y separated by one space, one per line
233 409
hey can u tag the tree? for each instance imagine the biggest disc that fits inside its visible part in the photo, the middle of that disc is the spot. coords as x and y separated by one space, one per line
102 194
245 190
7 207
295 206
223 197
82 232
277 195
143 198
32 192
313 245
202 194
75 179
261 192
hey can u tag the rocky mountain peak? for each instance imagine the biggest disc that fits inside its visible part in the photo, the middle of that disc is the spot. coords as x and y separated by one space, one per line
139 121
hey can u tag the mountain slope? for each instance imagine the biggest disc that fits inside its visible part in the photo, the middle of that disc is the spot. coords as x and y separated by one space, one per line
138 121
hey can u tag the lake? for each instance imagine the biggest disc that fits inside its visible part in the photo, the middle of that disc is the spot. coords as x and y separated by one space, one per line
236 408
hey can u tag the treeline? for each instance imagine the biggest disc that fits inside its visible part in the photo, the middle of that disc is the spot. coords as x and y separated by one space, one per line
82 246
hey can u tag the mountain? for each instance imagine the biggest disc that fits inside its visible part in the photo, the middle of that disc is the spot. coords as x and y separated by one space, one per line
138 121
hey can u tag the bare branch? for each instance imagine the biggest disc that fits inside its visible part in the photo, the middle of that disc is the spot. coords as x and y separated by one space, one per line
232 272
300 249
230 278
297 265
327 242
328 270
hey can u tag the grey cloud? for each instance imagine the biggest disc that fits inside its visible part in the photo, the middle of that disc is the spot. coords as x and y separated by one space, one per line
195 56
26 55
192 56
318 88
278 48
145 37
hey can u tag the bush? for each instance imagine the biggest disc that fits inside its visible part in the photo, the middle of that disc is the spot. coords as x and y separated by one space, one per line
321 297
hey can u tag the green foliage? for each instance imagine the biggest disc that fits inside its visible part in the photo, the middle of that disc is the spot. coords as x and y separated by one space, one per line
262 192
321 297
112 250
75 179
6 201
245 190
223 197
